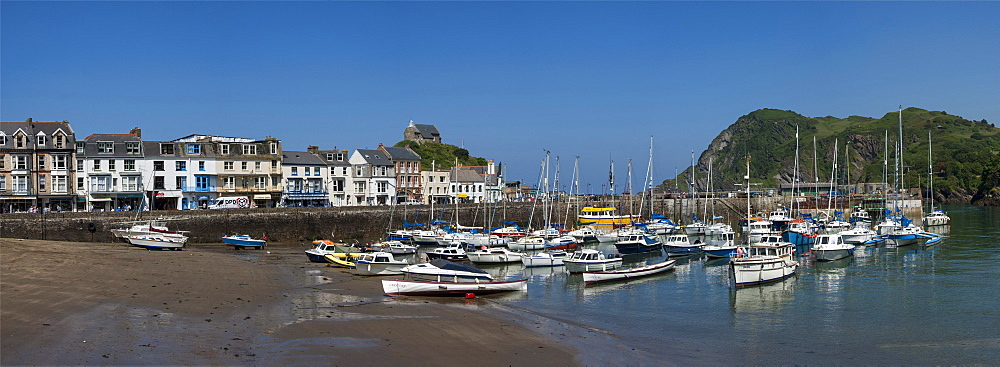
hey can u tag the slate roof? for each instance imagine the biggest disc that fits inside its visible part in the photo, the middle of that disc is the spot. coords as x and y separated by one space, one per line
398 153
465 175
291 157
34 127
375 157
427 131
334 162
118 141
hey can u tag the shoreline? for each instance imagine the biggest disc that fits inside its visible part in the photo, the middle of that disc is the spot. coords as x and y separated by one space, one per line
112 303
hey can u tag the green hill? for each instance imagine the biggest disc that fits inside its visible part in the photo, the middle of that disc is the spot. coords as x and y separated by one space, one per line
966 152
441 156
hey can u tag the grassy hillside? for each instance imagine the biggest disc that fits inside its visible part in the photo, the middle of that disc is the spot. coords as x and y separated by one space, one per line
964 150
442 156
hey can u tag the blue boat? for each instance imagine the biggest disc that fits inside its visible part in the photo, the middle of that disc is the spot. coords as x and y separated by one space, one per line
637 243
798 238
719 252
242 241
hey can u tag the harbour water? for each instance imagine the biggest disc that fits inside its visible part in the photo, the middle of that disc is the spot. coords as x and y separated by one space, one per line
917 304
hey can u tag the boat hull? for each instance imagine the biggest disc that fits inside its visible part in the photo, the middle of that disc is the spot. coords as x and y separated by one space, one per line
424 288
832 254
370 268
494 258
582 266
637 248
623 274
538 261
748 273
239 243
798 238
449 257
154 243
720 252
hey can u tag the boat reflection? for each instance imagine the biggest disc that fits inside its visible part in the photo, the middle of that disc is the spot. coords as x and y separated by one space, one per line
767 297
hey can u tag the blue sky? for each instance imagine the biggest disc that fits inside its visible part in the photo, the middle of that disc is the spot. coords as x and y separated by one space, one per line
507 79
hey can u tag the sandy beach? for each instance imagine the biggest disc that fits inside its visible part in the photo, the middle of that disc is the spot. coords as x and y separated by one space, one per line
70 303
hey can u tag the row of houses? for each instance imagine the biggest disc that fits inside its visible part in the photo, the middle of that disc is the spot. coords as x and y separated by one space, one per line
44 167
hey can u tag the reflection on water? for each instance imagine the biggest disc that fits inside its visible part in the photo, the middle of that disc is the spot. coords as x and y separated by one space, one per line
768 297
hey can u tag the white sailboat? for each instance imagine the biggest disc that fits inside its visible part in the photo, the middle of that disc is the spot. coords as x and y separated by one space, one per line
934 217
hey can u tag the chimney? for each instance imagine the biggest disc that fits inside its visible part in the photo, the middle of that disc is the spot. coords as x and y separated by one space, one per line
379 145
136 131
28 120
313 149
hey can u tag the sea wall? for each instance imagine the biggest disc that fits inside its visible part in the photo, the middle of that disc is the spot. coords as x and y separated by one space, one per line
362 224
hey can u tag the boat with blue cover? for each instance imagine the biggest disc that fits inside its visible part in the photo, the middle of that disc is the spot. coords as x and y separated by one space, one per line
242 241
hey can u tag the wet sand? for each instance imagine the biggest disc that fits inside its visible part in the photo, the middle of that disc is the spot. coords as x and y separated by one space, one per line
68 303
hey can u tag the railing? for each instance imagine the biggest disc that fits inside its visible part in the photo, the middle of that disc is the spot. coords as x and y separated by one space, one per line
250 189
199 189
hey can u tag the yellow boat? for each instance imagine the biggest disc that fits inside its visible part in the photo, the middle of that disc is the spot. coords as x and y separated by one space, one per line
604 218
334 260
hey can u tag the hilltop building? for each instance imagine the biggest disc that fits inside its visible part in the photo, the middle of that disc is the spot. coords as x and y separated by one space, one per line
421 133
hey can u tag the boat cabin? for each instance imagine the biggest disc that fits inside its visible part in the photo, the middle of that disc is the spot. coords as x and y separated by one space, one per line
683 239
827 239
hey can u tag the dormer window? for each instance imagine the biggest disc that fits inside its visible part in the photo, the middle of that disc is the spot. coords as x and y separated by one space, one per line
167 148
249 149
20 141
60 141
194 149
274 148
340 156
224 149
3 138
105 147
79 147
132 148
329 156
40 140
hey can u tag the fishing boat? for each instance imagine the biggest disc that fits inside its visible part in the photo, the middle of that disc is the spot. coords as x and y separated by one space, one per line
798 232
592 260
242 241
545 258
497 255
562 243
724 247
697 228
425 288
763 262
379 263
860 215
681 244
528 243
451 253
604 218
513 232
760 229
830 247
586 233
590 277
638 243
158 241
440 270
326 247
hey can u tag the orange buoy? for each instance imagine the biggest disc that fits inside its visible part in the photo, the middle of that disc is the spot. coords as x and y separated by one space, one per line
470 295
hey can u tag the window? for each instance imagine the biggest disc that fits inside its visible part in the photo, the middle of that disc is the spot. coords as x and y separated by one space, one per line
249 149
229 182
385 170
41 182
79 183
340 156
223 148
244 165
40 140
337 185
315 171
329 156
193 148
132 147
3 183
59 162
181 183
274 148
79 165
130 183
166 148
99 183
202 183
228 166
295 185
256 166
201 165
158 183
105 147
97 165
111 165
41 162
20 162
180 166
343 171
383 186
79 147
359 187
295 171
3 162
60 141
129 164
360 171
158 166
19 142
306 169
261 182
20 184
274 165
3 139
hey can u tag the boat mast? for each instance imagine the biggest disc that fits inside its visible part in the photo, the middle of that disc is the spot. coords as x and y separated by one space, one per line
630 187
795 173
833 177
930 171
899 159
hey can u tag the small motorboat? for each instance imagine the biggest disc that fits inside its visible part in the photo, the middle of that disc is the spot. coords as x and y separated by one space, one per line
767 261
592 260
158 241
546 258
440 270
423 288
341 262
495 255
830 247
638 243
451 253
379 263
326 247
681 244
242 241
590 277
395 247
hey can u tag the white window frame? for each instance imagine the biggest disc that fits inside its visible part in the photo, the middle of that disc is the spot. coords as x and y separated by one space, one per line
249 149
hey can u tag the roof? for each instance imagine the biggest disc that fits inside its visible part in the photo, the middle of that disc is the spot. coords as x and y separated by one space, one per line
375 157
465 175
118 142
427 131
398 153
33 128
346 162
291 157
